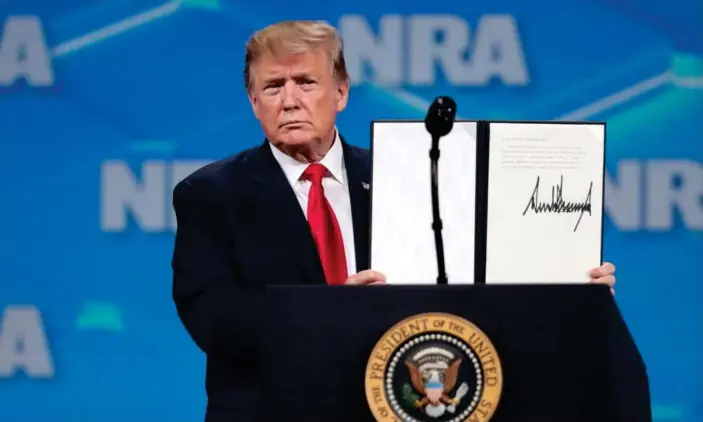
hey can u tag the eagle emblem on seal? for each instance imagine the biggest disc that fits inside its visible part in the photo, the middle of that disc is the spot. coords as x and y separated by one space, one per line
433 373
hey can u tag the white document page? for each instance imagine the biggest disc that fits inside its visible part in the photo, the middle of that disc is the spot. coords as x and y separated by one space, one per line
402 240
545 202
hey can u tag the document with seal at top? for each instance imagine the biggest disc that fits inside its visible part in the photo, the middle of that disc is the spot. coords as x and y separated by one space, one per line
545 201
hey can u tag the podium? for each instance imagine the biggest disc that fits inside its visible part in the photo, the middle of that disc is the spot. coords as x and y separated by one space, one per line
542 353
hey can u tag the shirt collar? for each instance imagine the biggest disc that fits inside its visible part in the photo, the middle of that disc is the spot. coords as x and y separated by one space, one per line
333 161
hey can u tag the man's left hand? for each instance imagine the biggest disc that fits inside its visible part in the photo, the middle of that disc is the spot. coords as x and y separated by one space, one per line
605 274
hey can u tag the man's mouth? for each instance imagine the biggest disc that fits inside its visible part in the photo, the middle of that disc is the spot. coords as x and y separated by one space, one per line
294 123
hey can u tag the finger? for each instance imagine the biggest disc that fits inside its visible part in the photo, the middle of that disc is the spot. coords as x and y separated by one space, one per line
374 275
354 279
597 272
366 277
361 281
602 271
609 280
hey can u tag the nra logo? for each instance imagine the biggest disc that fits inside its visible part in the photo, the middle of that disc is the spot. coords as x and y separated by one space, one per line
416 49
24 55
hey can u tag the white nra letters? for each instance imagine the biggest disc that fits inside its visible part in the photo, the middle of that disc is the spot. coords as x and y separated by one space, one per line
406 50
24 54
23 344
144 196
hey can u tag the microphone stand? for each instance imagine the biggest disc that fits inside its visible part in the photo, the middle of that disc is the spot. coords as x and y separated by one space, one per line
436 220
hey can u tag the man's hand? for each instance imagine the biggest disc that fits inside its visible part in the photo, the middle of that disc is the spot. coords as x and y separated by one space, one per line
366 277
605 274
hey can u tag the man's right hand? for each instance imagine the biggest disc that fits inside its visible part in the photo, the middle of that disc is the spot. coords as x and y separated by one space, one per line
366 277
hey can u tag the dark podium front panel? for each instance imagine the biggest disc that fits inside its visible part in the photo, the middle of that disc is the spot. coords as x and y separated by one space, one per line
562 353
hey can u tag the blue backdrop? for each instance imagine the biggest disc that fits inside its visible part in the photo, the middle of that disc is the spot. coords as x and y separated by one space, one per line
105 105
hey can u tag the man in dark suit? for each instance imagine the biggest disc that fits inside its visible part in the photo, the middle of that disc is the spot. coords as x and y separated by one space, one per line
294 210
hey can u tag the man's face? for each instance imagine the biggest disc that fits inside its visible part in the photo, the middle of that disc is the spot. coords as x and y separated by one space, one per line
297 99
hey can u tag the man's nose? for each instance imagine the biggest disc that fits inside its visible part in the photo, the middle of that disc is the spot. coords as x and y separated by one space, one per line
290 95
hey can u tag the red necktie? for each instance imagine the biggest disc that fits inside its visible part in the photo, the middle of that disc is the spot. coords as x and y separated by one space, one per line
325 228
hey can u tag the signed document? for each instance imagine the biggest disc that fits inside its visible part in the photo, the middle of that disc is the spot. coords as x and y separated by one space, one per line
402 240
545 202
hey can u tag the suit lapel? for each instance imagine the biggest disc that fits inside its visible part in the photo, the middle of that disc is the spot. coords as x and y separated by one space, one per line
358 174
282 214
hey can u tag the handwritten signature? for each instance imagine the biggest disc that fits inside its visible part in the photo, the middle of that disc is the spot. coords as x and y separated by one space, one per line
558 205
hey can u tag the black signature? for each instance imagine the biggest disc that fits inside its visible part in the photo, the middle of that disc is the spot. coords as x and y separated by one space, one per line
558 205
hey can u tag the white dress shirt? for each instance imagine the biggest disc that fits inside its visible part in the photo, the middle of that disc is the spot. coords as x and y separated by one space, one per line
336 188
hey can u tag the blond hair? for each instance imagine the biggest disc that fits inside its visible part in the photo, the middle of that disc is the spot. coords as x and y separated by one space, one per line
294 37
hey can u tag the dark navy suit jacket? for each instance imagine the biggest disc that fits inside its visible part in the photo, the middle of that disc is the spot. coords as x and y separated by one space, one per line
240 229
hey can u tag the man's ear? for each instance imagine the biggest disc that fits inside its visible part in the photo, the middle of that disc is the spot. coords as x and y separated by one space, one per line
342 94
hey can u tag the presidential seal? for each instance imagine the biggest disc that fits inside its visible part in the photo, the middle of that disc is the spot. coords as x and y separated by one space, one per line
434 367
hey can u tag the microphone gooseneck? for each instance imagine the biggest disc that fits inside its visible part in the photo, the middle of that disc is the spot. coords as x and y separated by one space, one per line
438 122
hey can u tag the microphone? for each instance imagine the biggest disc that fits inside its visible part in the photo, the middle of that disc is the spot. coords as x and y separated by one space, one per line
440 117
439 121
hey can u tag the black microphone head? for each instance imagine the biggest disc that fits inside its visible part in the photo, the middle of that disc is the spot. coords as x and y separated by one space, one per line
440 116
